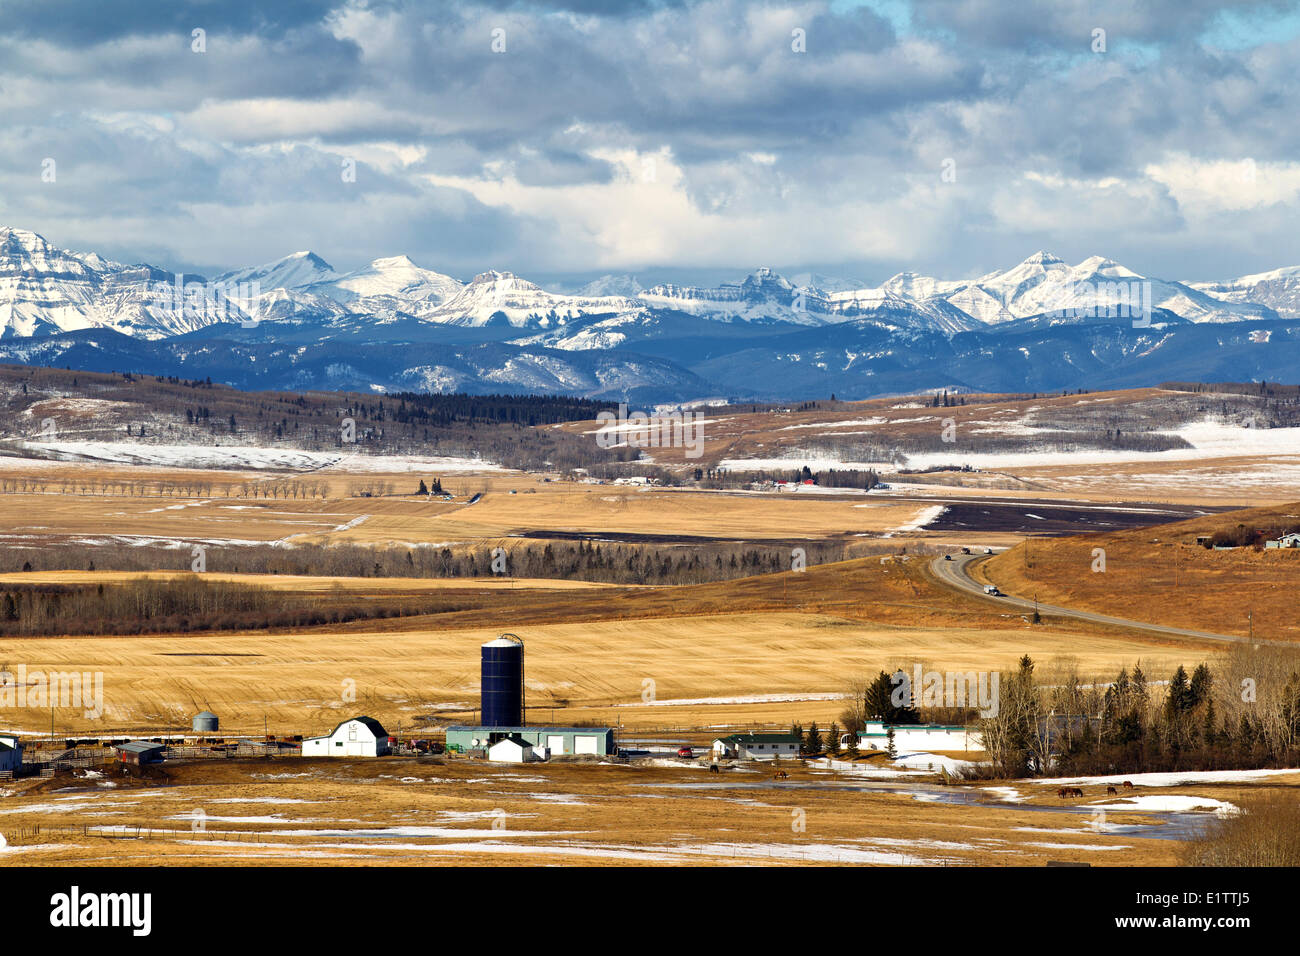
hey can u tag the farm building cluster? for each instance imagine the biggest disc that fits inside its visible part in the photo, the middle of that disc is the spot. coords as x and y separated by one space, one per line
502 734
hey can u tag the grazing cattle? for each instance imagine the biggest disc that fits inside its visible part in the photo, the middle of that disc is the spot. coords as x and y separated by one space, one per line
1111 792
1127 785
713 768
780 775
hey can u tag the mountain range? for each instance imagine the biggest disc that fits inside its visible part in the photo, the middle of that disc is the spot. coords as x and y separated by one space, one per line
297 323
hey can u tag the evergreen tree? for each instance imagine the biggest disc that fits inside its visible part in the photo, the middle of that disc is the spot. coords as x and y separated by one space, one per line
1201 685
878 701
1178 701
833 739
813 744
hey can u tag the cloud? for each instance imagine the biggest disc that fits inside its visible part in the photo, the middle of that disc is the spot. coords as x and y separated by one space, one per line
801 135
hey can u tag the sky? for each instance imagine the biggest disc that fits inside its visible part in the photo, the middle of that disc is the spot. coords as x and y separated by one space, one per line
687 140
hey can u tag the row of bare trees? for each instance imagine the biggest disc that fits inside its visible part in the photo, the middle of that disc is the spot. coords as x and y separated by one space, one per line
287 488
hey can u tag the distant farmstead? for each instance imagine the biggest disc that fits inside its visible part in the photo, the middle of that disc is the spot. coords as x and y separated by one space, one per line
756 746
916 737
1291 540
355 737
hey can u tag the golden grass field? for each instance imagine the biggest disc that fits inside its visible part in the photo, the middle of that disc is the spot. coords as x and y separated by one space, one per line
461 811
1163 576
685 661
555 506
415 677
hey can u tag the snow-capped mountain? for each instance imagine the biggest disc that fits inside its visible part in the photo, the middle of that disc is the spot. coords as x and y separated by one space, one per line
1279 290
297 322
1045 284
396 278
606 286
45 291
295 271
505 299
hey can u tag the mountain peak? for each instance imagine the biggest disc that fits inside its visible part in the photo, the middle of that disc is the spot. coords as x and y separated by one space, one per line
22 238
394 262
1041 258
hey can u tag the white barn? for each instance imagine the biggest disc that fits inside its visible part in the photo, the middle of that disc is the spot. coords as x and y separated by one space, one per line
512 749
355 737
11 753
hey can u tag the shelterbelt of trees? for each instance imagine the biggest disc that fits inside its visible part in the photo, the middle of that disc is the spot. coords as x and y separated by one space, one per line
603 562
1243 713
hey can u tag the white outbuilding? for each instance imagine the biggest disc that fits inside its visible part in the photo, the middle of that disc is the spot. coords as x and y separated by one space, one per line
355 737
11 753
512 749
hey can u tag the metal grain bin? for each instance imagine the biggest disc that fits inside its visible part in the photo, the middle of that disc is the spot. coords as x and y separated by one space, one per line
503 682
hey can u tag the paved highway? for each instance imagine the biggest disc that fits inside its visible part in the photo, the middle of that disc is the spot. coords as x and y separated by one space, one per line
956 574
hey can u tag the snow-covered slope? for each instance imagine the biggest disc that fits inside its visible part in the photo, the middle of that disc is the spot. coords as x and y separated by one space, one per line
295 271
505 299
1279 290
396 277
1044 283
44 291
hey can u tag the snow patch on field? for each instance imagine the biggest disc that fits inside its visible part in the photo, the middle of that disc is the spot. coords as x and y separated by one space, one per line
1209 439
1175 779
1007 794
922 518
751 699
1169 803
248 457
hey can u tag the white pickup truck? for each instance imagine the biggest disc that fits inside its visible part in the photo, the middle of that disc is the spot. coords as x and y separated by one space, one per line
992 589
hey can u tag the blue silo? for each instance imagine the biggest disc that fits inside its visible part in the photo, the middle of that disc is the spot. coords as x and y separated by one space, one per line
503 682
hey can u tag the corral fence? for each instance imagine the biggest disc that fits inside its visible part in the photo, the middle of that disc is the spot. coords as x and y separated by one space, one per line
46 763
238 748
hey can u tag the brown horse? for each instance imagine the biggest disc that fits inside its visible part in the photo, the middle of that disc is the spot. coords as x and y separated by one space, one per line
1076 792
713 768
1111 792
1062 793
780 775
1127 785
